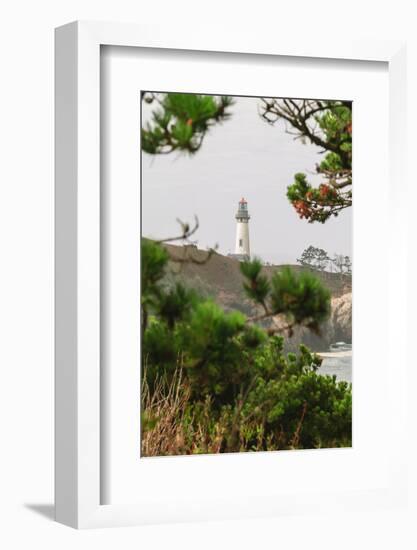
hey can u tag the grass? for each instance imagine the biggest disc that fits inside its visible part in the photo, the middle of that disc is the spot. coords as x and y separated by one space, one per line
172 424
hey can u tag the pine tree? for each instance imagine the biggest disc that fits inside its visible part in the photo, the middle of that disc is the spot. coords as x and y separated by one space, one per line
327 124
314 258
181 121
222 379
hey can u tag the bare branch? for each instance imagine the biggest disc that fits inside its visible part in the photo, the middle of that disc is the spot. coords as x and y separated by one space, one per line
187 231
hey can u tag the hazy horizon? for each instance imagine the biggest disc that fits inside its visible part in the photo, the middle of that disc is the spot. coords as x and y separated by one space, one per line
243 157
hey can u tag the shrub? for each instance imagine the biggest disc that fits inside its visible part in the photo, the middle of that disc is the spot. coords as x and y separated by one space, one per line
217 382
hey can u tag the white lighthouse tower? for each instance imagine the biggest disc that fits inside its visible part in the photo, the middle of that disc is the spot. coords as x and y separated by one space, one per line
242 248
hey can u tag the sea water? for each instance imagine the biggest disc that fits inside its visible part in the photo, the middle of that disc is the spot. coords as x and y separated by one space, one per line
338 363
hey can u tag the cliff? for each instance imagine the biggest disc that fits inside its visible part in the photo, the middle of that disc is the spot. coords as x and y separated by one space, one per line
220 279
338 328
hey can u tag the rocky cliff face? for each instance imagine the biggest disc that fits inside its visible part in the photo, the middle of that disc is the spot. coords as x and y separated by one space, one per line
338 328
341 319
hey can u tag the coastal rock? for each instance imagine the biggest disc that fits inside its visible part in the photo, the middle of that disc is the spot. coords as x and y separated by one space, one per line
338 328
341 318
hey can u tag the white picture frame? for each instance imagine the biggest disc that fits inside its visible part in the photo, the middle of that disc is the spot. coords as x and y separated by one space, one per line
78 404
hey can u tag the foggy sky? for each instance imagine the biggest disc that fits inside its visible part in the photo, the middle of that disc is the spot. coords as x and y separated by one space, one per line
243 157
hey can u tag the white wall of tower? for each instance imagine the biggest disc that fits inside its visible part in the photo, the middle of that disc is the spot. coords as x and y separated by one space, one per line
242 238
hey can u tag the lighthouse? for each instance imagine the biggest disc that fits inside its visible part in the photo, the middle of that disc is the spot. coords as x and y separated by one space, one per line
242 248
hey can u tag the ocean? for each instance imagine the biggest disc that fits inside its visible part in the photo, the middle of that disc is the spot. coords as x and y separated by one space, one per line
338 363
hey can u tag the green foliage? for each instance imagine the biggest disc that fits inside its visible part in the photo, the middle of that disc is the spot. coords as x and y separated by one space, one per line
256 285
180 121
331 162
211 350
336 124
252 337
300 297
318 203
160 346
175 304
327 124
238 390
295 395
154 259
